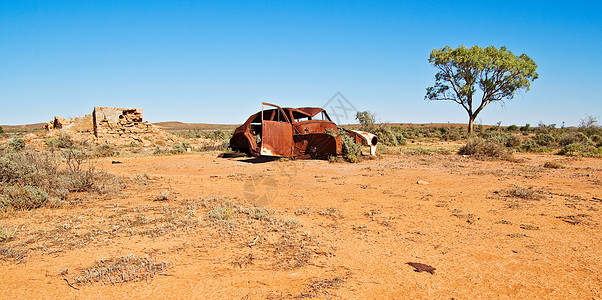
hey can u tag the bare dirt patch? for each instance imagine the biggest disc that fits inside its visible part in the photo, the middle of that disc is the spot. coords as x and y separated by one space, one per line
189 225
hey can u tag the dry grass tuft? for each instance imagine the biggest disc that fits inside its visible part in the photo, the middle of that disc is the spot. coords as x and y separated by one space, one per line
123 269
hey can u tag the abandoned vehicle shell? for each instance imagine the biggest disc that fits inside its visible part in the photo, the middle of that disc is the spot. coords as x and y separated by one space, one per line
306 132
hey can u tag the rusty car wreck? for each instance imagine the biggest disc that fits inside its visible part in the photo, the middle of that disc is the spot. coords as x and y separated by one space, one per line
306 132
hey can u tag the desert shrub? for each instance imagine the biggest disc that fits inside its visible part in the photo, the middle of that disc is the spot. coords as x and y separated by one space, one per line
503 138
6 234
545 139
589 122
484 149
189 134
16 144
221 212
527 127
1 130
29 168
41 170
512 128
208 147
179 148
579 149
105 150
18 197
532 146
424 151
574 138
351 150
81 171
385 136
552 165
158 151
62 141
453 133
128 268
219 135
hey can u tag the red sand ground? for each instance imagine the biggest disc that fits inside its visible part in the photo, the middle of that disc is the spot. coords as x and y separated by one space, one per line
358 226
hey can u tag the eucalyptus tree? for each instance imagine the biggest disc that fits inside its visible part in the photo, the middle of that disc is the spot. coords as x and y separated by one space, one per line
498 73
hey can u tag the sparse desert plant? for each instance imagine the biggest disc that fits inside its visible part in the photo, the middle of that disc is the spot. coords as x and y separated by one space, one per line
105 150
19 197
519 192
128 268
424 151
504 138
40 170
62 141
484 149
16 144
351 150
7 234
222 211
589 122
164 196
219 135
552 165
575 138
578 149
526 128
545 139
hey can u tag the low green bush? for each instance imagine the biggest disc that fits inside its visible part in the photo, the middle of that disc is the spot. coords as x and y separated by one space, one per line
16 144
19 197
351 150
579 149
484 149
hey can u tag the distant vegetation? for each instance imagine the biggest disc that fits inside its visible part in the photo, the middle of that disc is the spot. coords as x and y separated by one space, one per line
496 141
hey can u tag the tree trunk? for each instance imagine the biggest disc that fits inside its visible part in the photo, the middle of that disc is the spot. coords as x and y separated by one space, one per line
470 123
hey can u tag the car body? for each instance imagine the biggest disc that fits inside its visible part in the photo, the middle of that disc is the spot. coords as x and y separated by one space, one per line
306 132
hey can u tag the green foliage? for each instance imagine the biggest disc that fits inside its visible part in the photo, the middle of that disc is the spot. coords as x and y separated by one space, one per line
180 148
19 197
526 128
386 136
1 130
62 141
16 144
498 73
366 118
512 128
484 149
351 150
578 149
504 138
219 135
545 139
532 146
574 138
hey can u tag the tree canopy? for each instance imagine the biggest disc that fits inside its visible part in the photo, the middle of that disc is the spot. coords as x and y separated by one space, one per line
498 73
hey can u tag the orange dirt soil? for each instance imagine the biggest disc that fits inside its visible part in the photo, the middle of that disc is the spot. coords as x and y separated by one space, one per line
490 229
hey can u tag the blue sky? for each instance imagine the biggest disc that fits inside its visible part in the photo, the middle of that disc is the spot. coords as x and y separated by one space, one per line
215 61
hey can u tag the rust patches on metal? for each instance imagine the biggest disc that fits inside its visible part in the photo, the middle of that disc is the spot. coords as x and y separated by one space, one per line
368 138
294 133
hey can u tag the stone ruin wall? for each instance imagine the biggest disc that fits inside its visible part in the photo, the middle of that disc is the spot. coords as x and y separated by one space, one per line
107 123
113 121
